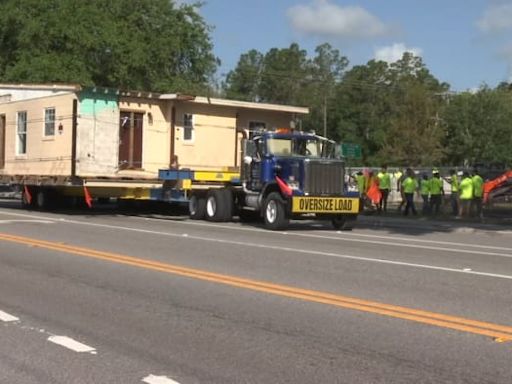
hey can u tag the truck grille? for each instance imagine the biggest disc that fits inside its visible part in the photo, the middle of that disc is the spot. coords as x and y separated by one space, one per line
324 177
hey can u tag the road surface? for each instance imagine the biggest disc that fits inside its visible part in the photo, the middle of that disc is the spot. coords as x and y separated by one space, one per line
102 297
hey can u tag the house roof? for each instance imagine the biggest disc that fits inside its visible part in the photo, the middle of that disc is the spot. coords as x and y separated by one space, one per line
250 105
151 95
42 87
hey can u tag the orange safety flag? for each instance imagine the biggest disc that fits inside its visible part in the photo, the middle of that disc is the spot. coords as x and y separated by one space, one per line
28 196
88 197
374 192
285 188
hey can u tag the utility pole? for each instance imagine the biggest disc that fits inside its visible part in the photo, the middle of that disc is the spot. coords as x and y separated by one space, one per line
325 115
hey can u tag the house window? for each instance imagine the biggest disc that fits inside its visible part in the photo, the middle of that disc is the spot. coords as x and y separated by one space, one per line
21 133
255 127
188 127
49 122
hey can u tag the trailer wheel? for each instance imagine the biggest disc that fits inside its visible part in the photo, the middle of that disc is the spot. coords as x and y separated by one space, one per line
197 207
215 205
42 199
274 212
343 222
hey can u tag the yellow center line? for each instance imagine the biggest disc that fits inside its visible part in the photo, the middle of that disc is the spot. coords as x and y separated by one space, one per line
496 331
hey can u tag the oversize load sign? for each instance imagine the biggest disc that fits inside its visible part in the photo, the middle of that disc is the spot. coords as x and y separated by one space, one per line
325 205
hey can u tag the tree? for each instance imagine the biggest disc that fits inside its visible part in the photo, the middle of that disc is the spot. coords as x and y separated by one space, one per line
289 76
324 73
244 81
363 108
478 127
132 44
415 135
283 75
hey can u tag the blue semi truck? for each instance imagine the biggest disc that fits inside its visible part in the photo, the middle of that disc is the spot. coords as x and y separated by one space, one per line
285 175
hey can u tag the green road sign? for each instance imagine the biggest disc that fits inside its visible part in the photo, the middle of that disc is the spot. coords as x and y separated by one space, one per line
351 151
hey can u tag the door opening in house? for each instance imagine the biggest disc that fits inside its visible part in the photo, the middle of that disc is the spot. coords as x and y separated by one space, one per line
130 140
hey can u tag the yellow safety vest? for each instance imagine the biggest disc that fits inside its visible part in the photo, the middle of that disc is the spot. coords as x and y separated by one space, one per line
455 183
410 185
466 189
384 180
436 186
478 186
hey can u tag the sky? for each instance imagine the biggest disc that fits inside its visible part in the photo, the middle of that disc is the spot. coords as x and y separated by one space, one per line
466 43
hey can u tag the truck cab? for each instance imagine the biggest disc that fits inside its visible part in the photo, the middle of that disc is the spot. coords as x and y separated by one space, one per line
288 174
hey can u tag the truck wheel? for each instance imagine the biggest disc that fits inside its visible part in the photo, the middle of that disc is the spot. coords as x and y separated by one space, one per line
343 222
215 205
197 207
229 204
274 212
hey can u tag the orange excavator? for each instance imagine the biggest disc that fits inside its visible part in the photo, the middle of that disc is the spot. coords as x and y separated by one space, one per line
499 186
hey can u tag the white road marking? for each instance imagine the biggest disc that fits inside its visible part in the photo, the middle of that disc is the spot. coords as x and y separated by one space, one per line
314 252
253 229
69 343
26 221
152 379
6 317
345 236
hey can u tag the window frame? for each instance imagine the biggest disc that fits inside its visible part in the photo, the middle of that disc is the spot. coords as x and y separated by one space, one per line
19 133
46 122
190 127
255 127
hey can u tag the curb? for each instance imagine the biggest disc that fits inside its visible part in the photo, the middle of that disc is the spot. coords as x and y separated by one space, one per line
437 225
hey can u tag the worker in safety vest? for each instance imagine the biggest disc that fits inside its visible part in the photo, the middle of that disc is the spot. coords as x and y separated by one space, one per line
400 177
384 187
425 193
465 194
409 186
361 183
454 197
478 193
436 192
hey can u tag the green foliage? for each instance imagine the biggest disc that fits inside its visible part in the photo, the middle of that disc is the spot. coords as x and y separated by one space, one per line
131 44
289 76
478 127
391 110
363 108
244 82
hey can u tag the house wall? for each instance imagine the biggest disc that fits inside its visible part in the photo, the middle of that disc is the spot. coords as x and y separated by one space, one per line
156 131
97 133
44 155
213 144
215 139
272 119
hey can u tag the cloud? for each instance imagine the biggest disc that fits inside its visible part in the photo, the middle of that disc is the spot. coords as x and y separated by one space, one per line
496 18
506 53
321 18
395 52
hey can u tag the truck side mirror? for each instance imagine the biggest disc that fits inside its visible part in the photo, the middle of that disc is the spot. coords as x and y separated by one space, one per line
248 148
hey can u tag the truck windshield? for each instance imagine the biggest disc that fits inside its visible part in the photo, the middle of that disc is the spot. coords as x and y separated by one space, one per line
302 146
